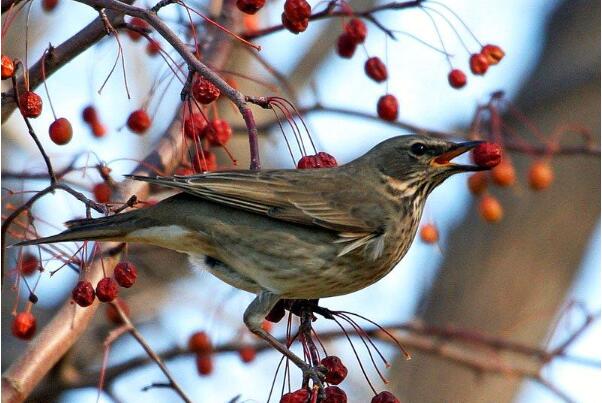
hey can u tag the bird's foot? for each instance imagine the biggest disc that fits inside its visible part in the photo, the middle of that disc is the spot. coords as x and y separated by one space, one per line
316 374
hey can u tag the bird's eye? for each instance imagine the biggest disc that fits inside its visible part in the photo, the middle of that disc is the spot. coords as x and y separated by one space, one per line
418 149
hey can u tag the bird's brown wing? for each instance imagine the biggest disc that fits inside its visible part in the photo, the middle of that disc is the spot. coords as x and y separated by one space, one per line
323 198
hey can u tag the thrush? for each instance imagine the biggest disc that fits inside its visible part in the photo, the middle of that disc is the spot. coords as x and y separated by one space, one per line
291 234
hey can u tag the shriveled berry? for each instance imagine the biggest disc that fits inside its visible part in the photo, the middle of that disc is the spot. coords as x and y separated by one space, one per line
153 47
297 10
478 64
334 394
326 160
83 293
336 371
138 23
125 274
493 53
89 114
429 233
387 108
204 91
295 27
194 125
385 397
298 396
250 6
504 174
199 342
30 104
247 353
541 175
487 155
456 78
205 161
49 5
139 121
102 192
490 209
376 69
477 183
356 30
218 132
308 162
60 131
8 67
346 46
98 129
204 364
28 264
106 290
24 325
112 314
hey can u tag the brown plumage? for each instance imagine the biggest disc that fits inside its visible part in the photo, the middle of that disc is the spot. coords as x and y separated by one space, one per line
296 234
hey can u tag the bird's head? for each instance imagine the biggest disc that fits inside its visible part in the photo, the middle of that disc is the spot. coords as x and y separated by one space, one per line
420 160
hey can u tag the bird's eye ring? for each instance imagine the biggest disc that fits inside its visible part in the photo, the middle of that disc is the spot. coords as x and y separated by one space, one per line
418 149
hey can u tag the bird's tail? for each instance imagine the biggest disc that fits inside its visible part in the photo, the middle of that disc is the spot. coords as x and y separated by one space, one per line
111 228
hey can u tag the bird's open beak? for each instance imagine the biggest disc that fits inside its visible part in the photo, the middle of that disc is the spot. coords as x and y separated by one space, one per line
444 160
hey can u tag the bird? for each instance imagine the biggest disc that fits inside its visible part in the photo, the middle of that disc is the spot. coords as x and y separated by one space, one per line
291 233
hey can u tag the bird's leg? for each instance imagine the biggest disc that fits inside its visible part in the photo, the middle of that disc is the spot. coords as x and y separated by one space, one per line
253 318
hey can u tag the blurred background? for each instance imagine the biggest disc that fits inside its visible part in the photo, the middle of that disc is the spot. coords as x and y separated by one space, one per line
518 279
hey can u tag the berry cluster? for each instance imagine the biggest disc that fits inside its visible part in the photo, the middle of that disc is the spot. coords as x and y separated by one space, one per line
490 55
125 275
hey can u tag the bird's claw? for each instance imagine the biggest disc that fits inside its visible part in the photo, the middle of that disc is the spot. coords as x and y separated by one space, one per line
317 374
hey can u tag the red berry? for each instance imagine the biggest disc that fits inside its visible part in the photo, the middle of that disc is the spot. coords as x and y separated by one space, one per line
247 353
24 325
125 274
89 114
478 64
294 26
504 174
493 53
83 293
387 108
49 5
139 121
267 325
356 30
429 233
385 397
218 132
491 209
153 47
102 192
139 23
334 394
184 171
106 290
204 364
194 125
297 10
457 78
308 162
298 396
487 155
204 91
205 161
30 104
199 342
28 264
336 371
112 314
8 67
60 131
541 175
346 46
250 6
98 129
326 160
477 183
376 69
